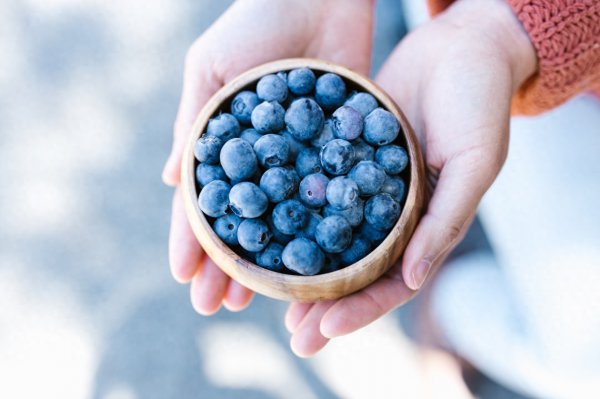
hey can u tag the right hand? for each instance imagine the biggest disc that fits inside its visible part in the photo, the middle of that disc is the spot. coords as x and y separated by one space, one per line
249 33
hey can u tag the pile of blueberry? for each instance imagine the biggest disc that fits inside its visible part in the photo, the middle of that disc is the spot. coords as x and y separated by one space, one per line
299 177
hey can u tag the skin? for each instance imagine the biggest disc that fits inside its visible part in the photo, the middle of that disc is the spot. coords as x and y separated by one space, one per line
454 78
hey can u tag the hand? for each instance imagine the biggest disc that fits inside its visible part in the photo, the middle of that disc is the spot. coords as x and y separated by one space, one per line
454 78
250 33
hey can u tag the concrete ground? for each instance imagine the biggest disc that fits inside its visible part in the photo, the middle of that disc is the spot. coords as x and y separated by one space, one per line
89 309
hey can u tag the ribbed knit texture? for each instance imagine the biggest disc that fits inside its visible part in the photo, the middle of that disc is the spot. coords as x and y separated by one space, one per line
566 36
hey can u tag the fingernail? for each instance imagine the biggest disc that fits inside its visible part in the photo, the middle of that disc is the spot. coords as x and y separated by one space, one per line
420 273
166 175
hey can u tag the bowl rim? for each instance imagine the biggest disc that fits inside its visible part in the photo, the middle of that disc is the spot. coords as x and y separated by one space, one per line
237 267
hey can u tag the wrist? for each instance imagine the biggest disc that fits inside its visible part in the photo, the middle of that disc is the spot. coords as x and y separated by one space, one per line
496 20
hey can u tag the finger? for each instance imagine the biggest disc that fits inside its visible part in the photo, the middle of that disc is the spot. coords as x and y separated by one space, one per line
208 288
363 307
237 296
461 185
184 251
199 84
308 340
294 315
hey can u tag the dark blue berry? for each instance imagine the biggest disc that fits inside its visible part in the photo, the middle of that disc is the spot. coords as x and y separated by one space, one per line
392 158
346 123
324 137
278 184
301 81
290 216
226 228
268 117
362 102
253 235
312 190
381 127
271 150
342 192
294 145
362 151
337 157
272 88
382 212
308 162
206 173
207 149
250 135
270 257
395 187
358 249
369 177
224 126
304 119
372 234
334 234
278 236
243 104
303 256
330 91
332 263
354 215
247 200
311 227
214 198
238 160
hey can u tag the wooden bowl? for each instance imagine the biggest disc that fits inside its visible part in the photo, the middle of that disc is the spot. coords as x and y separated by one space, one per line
293 287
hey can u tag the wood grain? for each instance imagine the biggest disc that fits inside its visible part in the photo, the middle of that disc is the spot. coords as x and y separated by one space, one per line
304 288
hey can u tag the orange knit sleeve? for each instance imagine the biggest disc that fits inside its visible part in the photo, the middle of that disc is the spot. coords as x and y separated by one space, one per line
566 36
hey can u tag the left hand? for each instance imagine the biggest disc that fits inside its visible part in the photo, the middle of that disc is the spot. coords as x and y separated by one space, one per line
454 78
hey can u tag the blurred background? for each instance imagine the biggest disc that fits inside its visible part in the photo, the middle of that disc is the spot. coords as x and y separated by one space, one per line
89 92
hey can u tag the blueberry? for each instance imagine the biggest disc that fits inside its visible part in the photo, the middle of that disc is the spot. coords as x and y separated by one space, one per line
330 91
347 123
308 162
207 149
272 88
342 192
337 157
271 150
354 214
238 160
381 127
270 257
382 212
243 104
395 187
372 234
206 173
294 145
332 263
226 228
393 158
363 151
250 135
253 235
214 198
268 117
224 126
362 102
303 256
312 190
304 119
278 235
301 81
334 234
325 136
369 177
278 184
290 216
311 227
247 200
358 249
